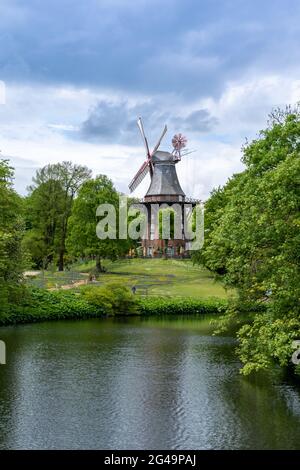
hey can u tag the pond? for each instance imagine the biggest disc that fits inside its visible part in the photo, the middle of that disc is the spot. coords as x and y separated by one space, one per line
152 383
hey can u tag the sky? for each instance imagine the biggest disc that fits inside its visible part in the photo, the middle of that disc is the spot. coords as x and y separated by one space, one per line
75 76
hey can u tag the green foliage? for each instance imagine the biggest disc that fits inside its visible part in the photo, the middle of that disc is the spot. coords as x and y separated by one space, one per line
43 210
11 233
48 208
253 240
267 340
180 306
82 240
42 305
238 313
94 301
114 298
214 208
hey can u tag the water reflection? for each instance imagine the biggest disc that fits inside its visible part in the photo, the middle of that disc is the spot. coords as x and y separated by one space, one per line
138 383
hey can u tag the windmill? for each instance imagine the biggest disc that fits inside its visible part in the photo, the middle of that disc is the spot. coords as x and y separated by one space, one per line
164 190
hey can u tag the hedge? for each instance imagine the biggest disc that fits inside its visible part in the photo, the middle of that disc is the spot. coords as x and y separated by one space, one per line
180 306
42 305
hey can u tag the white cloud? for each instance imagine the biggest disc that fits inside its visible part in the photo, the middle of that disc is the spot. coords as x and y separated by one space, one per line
64 127
36 125
243 108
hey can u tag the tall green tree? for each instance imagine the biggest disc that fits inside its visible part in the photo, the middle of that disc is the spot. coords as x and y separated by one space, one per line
83 240
44 208
215 206
255 240
49 207
11 233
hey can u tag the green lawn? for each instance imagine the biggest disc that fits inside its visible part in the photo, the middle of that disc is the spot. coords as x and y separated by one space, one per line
166 277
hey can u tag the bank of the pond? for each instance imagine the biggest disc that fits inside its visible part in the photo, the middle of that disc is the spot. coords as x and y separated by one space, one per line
42 305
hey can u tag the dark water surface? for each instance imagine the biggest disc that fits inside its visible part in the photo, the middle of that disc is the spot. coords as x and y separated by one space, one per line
138 383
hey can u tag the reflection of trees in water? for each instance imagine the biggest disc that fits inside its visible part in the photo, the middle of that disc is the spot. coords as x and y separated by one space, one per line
149 377
127 383
263 404
10 384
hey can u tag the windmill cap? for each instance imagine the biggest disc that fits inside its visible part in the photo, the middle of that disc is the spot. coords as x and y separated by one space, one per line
160 156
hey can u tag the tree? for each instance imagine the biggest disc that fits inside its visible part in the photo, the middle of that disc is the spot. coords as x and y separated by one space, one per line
215 206
82 239
11 232
49 207
255 238
44 208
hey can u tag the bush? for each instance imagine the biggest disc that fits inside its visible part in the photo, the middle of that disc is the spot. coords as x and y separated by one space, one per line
180 306
114 298
41 305
94 301
267 340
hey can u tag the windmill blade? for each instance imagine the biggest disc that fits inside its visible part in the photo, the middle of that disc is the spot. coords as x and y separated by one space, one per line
159 142
139 176
141 128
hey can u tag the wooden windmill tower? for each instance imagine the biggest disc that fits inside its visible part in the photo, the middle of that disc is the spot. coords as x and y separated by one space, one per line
164 190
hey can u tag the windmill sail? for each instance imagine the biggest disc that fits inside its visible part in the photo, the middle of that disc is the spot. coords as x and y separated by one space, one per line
139 176
141 128
147 166
160 139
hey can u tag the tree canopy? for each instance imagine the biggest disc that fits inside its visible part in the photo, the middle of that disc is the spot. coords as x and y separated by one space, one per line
83 240
252 239
49 206
11 233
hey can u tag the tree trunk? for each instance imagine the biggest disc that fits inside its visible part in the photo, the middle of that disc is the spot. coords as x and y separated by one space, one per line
67 213
99 268
61 261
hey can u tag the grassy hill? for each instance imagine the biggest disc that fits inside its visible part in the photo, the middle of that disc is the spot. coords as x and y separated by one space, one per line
162 277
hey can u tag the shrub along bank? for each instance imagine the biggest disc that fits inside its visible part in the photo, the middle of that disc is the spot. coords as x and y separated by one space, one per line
180 306
42 305
111 300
